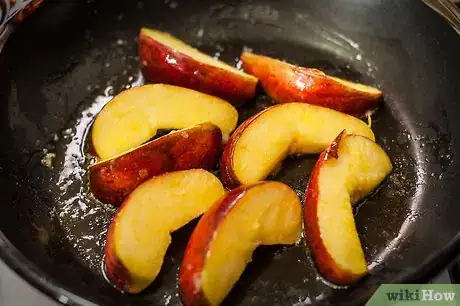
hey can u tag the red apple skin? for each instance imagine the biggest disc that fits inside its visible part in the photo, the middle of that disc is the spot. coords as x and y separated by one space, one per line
160 64
111 181
195 257
288 83
324 262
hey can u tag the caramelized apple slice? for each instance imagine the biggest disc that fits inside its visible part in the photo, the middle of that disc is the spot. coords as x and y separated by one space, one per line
288 83
197 147
134 116
262 142
166 59
349 170
222 243
139 234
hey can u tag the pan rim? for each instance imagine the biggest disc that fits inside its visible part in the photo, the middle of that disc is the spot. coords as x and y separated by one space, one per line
23 267
34 276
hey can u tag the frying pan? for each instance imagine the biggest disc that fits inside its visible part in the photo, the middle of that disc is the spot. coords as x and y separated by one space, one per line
67 60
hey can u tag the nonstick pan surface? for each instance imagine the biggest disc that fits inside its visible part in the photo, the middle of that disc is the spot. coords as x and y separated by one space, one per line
69 59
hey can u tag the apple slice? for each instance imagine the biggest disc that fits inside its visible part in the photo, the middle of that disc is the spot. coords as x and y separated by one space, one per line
288 83
134 116
196 147
266 213
139 234
262 142
349 170
166 59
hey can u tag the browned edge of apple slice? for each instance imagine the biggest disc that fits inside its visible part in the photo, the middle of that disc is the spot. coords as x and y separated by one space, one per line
285 82
166 59
196 147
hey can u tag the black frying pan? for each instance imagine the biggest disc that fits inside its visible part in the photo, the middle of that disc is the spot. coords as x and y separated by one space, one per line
70 57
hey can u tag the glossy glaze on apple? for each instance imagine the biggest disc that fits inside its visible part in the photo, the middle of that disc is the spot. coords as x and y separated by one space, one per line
161 63
197 147
289 83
